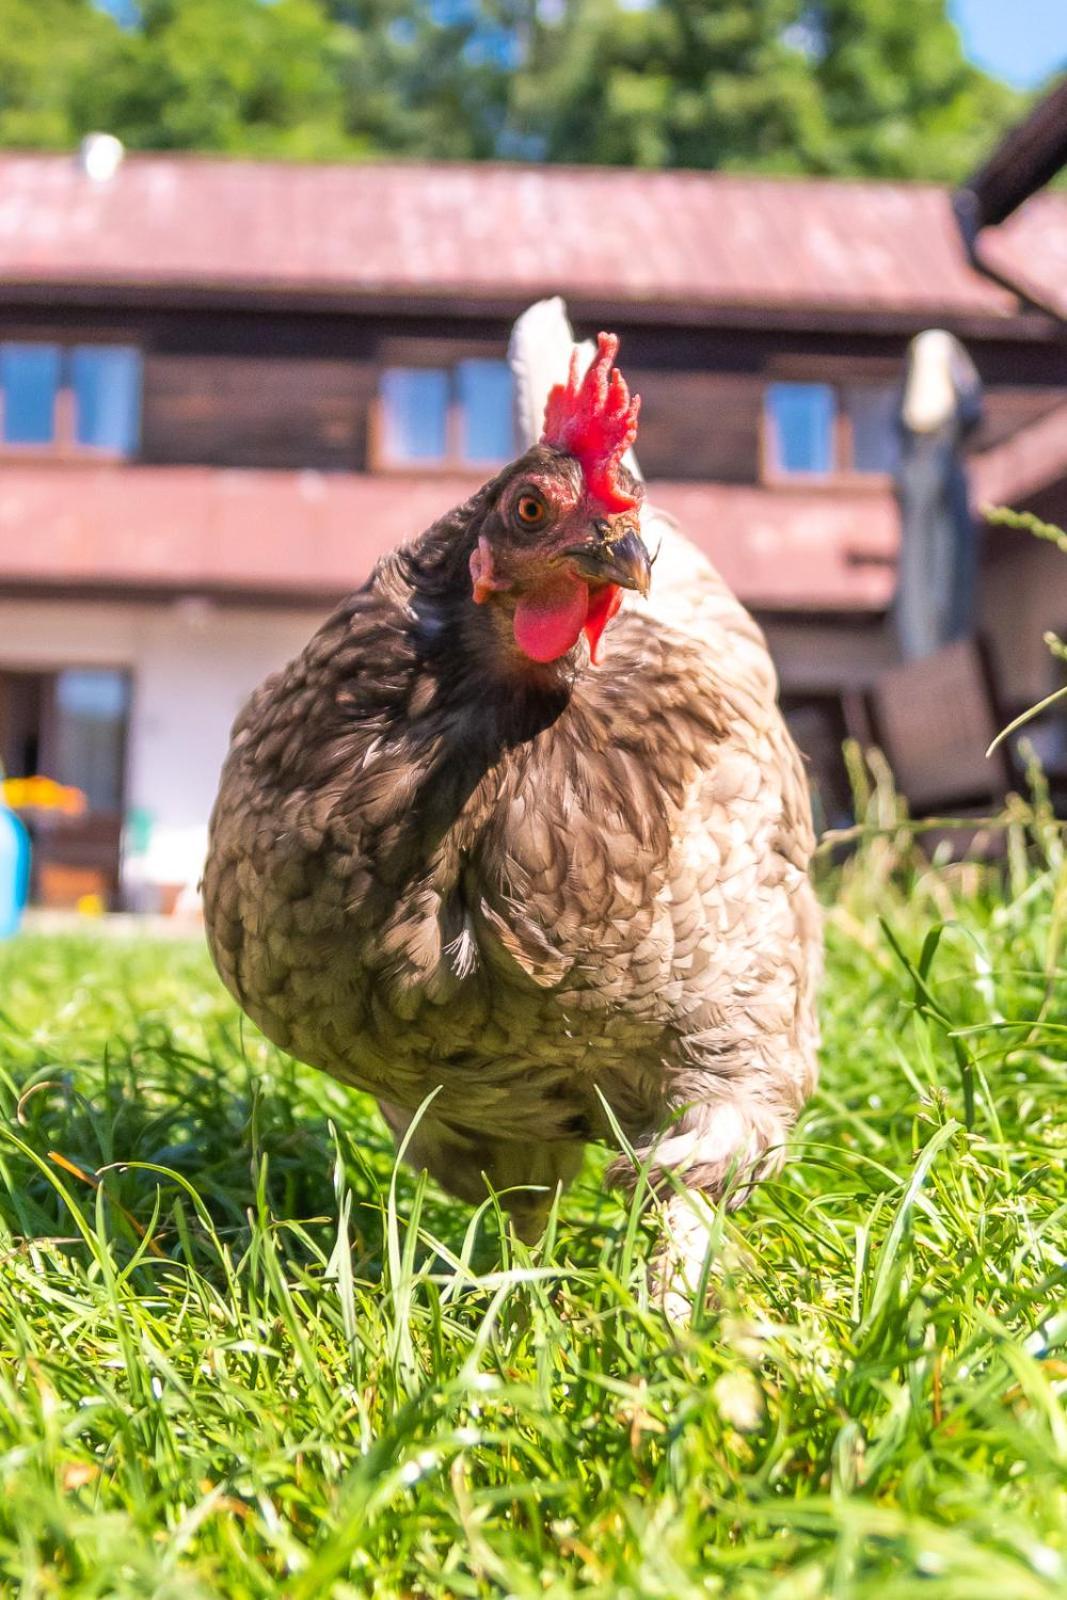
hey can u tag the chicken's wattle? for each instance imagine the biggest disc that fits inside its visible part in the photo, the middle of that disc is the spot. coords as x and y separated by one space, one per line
603 605
548 623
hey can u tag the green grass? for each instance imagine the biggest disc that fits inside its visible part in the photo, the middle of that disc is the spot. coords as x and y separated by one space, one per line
239 1357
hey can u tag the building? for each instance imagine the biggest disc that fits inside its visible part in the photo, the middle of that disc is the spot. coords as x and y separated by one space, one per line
227 387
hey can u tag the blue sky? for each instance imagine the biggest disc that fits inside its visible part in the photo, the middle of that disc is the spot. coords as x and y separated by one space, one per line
1022 41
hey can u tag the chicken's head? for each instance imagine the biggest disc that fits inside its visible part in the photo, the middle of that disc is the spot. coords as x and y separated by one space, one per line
563 539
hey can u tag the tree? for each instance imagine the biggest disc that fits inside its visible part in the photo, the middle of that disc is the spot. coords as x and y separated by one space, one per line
838 86
817 86
44 46
431 78
900 98
243 76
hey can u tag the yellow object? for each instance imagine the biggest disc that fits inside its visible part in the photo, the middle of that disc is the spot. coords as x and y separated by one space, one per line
43 794
90 905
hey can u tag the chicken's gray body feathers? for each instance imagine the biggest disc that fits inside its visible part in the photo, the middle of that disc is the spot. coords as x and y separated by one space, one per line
528 910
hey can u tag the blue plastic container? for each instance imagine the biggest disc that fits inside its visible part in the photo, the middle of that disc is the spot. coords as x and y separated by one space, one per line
14 872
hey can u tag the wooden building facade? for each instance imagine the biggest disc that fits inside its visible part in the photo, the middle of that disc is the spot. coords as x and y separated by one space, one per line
226 388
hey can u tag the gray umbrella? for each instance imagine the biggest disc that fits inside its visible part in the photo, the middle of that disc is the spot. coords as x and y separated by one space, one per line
936 580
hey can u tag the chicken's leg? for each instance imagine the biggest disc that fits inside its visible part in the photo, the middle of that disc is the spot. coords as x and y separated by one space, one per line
718 1147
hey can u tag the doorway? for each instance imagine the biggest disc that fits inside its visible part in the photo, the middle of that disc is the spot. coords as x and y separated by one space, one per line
70 724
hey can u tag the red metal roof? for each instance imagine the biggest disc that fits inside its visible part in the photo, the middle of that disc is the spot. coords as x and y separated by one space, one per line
496 231
311 537
1030 248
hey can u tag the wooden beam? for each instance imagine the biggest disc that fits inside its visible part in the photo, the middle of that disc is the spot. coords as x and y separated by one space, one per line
1026 160
1028 326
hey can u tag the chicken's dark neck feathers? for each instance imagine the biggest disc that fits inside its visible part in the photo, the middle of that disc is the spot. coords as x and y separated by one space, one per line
492 699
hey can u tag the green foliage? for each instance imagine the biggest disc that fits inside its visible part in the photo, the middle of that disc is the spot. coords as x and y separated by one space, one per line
46 46
431 80
238 1358
836 87
898 95
241 77
678 84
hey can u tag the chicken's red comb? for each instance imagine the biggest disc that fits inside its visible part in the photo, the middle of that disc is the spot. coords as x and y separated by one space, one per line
595 420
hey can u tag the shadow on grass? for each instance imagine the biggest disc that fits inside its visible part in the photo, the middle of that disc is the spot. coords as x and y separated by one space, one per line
244 1149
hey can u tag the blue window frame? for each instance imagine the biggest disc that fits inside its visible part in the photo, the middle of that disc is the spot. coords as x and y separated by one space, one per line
414 414
485 405
815 429
104 385
106 380
801 418
30 378
446 417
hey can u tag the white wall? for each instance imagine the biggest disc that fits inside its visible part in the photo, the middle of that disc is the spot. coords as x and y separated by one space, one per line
193 664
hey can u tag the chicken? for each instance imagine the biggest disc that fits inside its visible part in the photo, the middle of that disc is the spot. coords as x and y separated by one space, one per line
522 829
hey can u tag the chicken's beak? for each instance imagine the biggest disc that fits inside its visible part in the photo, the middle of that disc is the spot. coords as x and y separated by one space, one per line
623 561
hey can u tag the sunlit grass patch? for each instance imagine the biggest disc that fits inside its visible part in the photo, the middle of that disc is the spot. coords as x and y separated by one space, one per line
239 1356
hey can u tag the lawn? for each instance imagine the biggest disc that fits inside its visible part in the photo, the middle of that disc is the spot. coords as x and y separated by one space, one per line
239 1357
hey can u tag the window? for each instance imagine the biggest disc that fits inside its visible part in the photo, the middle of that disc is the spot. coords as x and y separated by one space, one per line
91 706
818 430
106 380
29 376
802 426
414 414
83 398
70 726
484 393
433 416
872 418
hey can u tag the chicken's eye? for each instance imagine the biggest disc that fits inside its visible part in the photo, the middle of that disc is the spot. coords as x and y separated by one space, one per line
531 510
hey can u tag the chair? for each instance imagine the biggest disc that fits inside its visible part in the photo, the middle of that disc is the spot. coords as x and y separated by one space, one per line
934 719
